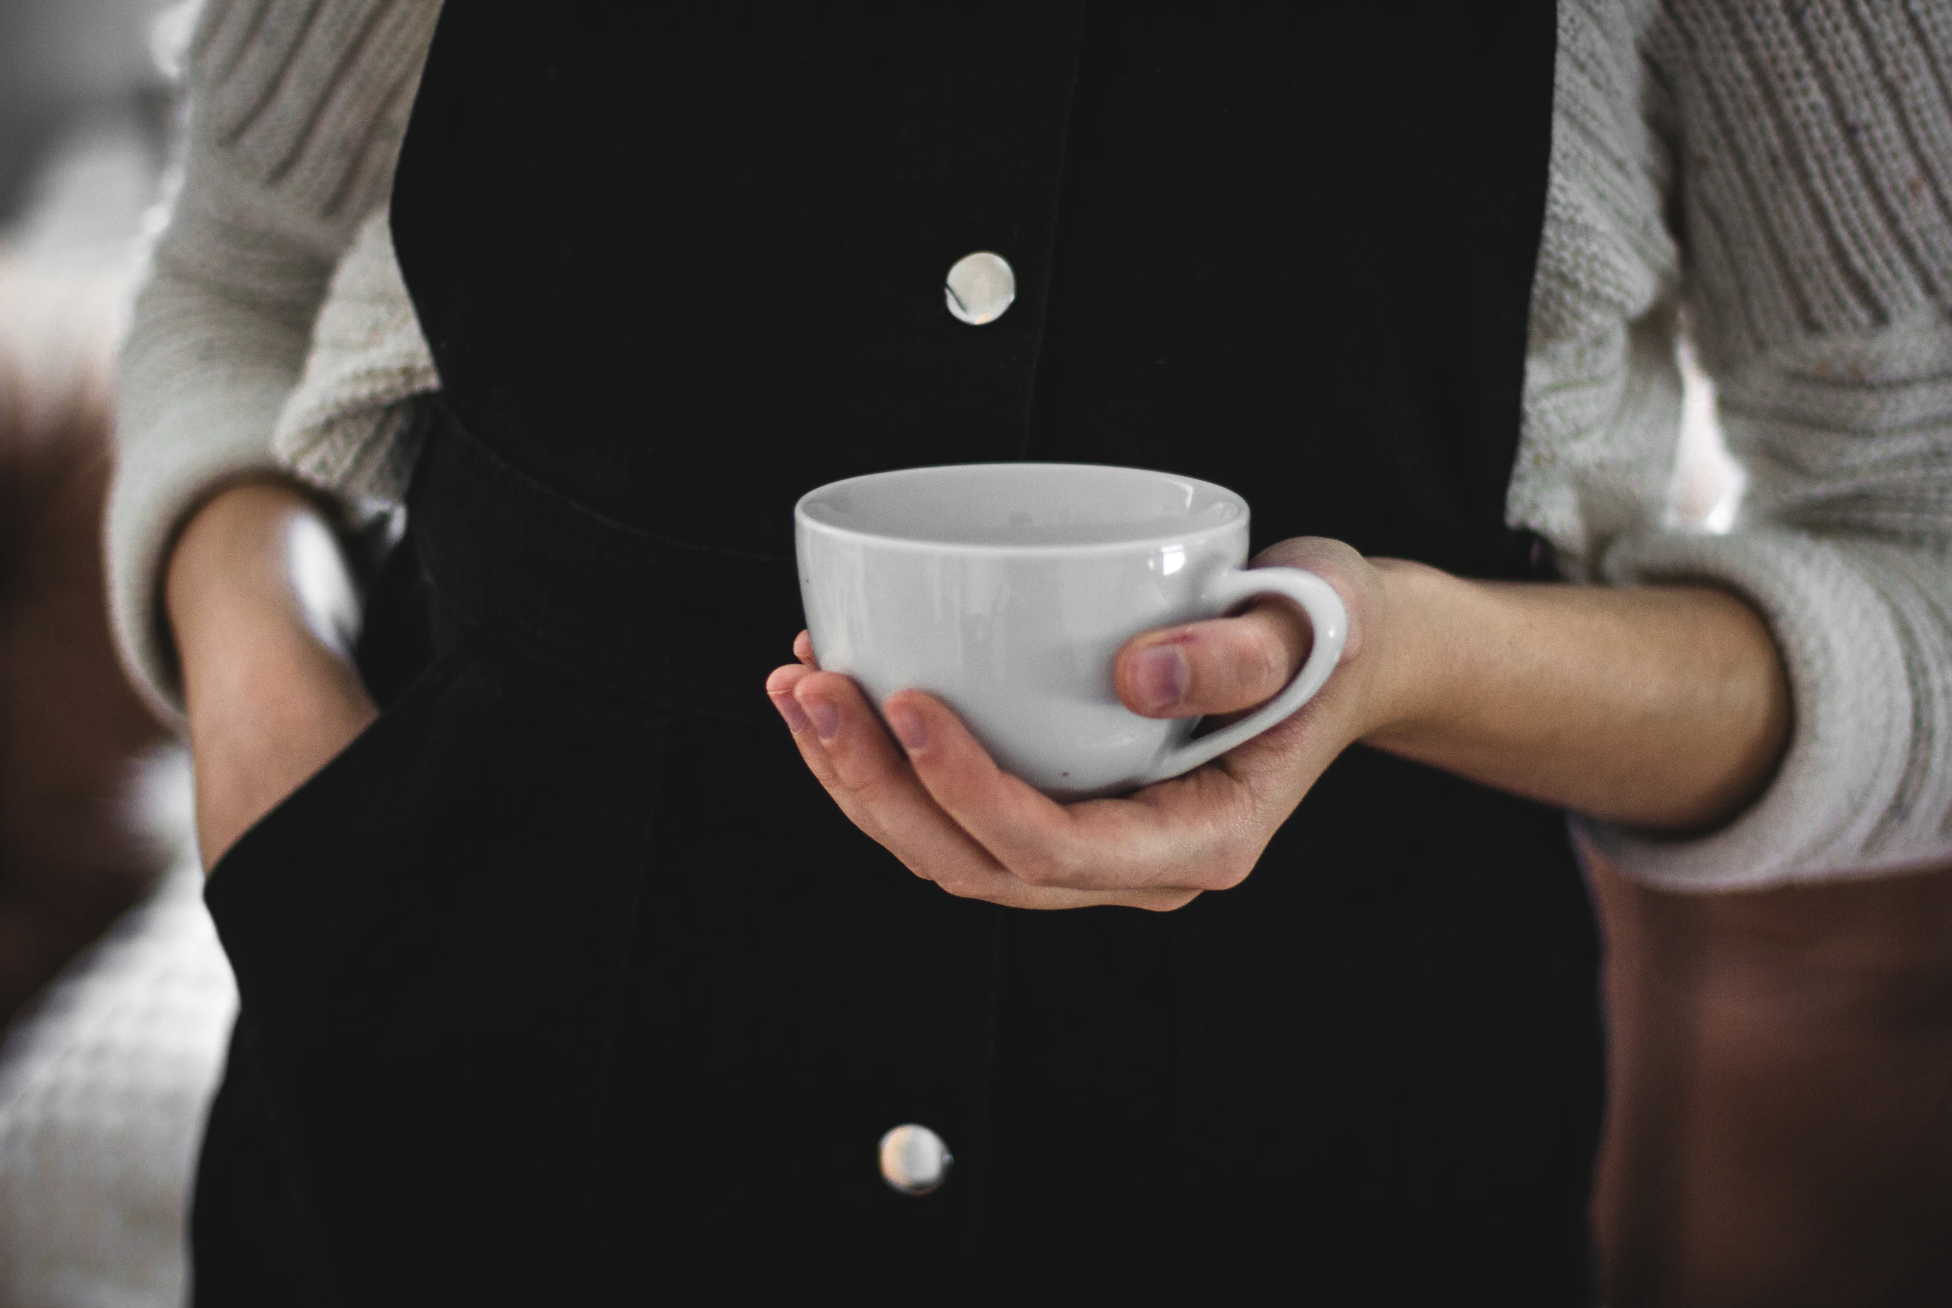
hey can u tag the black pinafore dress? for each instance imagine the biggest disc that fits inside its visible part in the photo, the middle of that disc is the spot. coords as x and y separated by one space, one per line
566 982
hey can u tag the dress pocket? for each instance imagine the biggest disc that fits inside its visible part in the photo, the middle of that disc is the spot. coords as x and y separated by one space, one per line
428 938
261 841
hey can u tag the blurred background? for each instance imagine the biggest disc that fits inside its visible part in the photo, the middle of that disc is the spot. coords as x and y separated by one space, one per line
114 995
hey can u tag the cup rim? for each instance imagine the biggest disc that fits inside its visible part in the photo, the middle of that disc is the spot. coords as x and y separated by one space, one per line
1237 523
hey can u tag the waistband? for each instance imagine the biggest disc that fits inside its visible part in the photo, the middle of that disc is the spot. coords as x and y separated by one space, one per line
687 626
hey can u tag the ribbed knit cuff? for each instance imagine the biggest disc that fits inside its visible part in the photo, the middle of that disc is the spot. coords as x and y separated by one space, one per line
159 482
1822 814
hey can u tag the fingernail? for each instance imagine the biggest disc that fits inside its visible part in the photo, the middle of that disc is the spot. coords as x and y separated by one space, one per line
1160 677
789 708
908 727
826 718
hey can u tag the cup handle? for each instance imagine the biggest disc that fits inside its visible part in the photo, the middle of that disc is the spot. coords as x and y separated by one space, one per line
1331 623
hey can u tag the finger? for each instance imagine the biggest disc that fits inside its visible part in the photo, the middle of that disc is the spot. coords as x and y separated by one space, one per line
1219 666
803 650
874 785
779 688
1176 837
1340 566
915 852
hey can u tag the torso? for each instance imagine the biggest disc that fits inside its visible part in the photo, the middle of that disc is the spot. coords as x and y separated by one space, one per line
675 273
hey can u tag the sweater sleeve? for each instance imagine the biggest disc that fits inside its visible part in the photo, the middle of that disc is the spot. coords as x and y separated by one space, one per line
296 109
1808 195
1845 547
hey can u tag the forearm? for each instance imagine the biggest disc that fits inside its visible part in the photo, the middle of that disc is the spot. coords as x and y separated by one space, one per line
263 617
1659 707
185 426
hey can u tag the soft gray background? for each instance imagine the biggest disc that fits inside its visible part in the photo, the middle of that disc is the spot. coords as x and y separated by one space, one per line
65 63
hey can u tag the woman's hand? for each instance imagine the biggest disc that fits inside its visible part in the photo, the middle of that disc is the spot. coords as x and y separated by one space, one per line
1663 707
935 799
265 616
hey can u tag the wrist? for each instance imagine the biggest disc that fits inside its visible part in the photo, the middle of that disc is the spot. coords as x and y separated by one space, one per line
1408 683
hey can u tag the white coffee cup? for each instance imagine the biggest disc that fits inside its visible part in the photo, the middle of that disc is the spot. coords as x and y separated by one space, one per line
1006 589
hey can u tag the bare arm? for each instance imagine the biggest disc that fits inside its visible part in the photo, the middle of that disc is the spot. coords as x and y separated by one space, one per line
263 614
1663 707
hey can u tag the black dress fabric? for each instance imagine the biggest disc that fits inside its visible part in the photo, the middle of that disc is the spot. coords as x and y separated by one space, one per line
567 983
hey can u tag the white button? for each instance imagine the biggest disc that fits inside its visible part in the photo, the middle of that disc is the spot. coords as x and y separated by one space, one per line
980 287
914 1160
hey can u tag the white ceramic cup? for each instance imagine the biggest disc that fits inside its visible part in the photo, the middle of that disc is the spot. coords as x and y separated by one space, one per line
1006 590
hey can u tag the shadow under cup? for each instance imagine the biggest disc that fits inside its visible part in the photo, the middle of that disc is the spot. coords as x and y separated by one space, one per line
1006 590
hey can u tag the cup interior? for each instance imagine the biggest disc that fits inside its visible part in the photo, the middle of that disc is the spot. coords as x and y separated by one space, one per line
1018 505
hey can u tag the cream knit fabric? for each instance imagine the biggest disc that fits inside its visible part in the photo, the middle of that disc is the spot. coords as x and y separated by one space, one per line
1780 171
1784 171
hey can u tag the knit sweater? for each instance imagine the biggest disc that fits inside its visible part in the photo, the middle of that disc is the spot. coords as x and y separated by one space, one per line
1777 175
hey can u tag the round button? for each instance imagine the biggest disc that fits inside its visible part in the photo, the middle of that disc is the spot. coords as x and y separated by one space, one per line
914 1160
980 287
